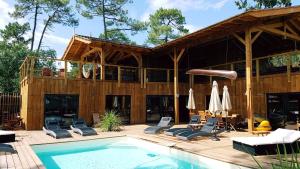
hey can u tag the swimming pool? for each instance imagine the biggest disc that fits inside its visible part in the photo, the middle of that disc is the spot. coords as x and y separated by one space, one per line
121 153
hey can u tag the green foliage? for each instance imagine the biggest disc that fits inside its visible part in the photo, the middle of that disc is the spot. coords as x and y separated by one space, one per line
114 17
110 121
166 25
261 4
13 50
74 71
43 59
30 8
284 160
51 12
117 36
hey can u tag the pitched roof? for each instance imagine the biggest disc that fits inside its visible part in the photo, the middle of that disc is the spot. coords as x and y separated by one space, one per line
233 24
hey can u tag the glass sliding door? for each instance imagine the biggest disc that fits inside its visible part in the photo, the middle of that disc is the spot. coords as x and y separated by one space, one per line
159 106
61 107
283 109
121 104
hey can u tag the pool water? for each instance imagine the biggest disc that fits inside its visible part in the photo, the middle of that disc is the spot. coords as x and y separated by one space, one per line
120 153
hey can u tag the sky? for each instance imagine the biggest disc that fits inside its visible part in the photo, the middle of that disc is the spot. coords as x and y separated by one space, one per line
198 14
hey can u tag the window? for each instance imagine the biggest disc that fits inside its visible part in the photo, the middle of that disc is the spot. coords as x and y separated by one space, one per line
273 65
61 107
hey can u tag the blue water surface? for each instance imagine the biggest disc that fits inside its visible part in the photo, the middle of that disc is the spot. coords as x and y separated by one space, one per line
108 154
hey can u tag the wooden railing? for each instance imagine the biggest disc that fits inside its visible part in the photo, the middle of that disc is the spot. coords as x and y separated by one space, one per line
66 69
9 106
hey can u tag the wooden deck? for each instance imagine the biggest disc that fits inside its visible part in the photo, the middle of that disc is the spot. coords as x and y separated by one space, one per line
222 150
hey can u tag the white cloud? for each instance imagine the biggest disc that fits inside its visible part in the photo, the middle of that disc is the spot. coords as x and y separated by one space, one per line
183 5
192 28
5 8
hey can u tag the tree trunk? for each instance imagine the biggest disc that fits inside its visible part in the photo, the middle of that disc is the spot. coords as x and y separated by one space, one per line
104 20
34 26
43 32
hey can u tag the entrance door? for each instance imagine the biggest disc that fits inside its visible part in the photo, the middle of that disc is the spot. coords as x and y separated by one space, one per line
61 107
121 104
283 108
184 114
159 106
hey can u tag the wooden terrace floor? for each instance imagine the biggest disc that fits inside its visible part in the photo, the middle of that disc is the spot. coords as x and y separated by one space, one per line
222 150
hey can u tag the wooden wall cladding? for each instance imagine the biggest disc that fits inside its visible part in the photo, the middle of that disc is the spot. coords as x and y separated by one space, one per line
92 95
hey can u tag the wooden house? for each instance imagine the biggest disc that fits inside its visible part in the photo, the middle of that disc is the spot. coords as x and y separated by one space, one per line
143 83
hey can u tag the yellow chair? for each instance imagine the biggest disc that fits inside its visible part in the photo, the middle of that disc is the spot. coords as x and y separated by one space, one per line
264 126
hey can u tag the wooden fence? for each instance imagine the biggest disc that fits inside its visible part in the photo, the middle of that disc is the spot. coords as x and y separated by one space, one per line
10 104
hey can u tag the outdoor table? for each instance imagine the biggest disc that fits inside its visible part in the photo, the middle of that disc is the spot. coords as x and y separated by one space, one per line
195 126
262 133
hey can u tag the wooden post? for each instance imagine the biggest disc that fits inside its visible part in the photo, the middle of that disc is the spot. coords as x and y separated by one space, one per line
289 68
94 72
176 95
145 77
119 76
257 70
66 72
141 77
79 76
176 85
102 65
248 46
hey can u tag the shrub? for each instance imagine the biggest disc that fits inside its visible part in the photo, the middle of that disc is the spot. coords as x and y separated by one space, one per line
110 121
284 160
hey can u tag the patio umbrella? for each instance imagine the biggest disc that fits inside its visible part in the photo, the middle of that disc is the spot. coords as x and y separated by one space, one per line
226 103
215 103
191 102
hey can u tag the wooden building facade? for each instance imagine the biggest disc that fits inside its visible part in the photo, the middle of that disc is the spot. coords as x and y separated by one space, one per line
262 46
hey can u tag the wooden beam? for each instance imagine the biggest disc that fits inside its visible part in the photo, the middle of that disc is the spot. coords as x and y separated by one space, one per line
89 52
249 92
291 29
145 78
170 55
103 56
180 55
280 32
256 36
295 24
168 78
176 87
239 38
66 72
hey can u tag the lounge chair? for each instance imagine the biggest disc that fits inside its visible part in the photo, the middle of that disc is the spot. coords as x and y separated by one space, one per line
163 124
7 148
80 127
53 129
195 119
209 129
7 136
280 139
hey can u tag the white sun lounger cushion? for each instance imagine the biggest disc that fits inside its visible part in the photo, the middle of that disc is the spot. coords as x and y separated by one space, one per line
279 136
2 132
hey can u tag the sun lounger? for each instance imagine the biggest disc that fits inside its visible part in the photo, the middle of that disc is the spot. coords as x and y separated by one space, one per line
209 129
7 136
195 119
80 127
7 148
279 139
163 124
53 129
